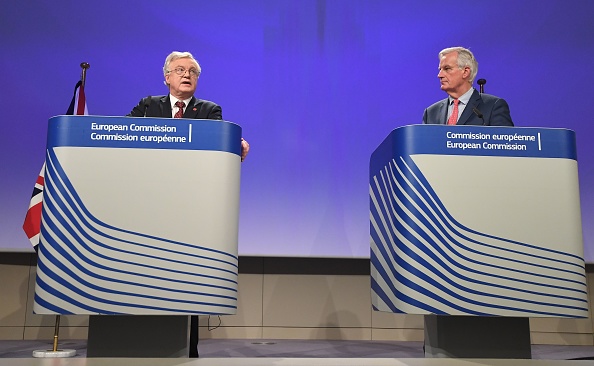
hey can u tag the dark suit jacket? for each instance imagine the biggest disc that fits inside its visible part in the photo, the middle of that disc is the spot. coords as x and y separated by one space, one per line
495 112
160 106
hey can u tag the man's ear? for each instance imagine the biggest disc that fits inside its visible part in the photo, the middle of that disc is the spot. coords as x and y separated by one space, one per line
466 72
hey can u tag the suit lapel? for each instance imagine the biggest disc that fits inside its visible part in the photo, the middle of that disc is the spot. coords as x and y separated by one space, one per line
165 105
474 102
192 109
443 111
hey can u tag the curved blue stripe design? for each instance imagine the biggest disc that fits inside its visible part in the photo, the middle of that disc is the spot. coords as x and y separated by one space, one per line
79 290
460 238
84 239
419 251
71 198
409 168
95 264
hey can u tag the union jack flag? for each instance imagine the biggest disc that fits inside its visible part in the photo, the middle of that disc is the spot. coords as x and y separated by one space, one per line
32 224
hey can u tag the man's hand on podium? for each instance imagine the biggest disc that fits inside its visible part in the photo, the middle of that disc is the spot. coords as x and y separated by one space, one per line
245 148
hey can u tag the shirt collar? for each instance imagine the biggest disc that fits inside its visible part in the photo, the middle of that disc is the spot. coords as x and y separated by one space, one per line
464 98
174 100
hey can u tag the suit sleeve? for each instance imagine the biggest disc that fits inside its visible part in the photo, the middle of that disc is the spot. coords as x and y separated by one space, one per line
139 110
500 115
216 112
431 115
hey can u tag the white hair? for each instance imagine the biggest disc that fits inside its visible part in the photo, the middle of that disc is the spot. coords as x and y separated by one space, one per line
465 58
177 55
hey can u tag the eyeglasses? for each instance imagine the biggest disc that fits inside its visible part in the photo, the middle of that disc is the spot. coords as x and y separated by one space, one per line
182 71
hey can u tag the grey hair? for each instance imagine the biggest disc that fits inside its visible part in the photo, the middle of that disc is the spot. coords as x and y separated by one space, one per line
177 55
465 58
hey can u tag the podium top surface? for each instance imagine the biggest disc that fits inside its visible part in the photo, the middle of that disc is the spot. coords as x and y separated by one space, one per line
478 141
144 132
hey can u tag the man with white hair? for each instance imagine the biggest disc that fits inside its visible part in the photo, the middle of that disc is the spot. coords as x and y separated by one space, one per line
464 105
181 72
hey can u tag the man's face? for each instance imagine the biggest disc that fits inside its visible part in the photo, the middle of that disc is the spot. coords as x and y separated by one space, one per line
454 80
182 86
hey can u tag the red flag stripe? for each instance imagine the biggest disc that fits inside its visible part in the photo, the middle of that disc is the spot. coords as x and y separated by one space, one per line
32 223
81 104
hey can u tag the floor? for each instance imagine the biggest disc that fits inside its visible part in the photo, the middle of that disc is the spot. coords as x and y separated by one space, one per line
247 352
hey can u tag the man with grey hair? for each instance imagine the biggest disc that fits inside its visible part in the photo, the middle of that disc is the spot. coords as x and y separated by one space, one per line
181 72
464 105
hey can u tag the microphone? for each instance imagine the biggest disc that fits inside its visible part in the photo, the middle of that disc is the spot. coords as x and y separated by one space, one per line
478 114
481 83
147 104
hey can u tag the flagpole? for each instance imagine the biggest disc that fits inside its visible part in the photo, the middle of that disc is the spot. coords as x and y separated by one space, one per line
65 352
83 77
56 333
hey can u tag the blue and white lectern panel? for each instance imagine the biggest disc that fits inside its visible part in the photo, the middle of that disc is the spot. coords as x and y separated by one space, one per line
477 221
140 216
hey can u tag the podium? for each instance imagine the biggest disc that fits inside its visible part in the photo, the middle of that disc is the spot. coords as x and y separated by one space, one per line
478 229
139 228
